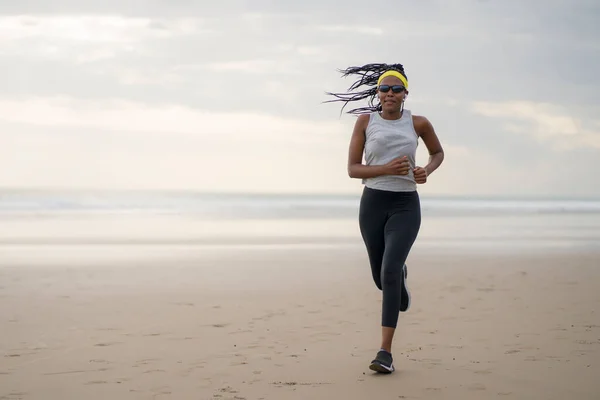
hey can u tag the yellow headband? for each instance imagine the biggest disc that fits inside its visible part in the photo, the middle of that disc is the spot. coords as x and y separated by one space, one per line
393 73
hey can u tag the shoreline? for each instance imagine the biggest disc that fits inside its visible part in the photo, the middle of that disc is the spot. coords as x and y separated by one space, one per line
44 253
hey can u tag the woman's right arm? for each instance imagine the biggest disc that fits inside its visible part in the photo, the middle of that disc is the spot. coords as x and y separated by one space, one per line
356 169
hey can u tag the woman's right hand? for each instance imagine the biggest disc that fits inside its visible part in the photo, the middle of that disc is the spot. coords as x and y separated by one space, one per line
398 166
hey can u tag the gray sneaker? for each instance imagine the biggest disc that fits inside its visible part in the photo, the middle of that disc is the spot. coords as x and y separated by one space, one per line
383 362
404 293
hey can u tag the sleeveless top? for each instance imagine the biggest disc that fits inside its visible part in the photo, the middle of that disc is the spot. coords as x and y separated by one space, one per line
386 140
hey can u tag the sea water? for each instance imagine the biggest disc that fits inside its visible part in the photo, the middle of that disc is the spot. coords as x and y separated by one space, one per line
34 218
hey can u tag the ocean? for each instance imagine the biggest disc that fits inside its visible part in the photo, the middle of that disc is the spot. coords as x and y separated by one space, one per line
154 218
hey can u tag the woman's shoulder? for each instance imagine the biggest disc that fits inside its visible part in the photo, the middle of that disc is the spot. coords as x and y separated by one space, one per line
365 118
421 124
420 120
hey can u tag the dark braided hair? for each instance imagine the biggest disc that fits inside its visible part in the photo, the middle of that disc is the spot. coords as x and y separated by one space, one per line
369 75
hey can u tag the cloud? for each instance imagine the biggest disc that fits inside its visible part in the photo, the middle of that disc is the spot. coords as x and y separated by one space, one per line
259 66
127 116
89 38
356 29
134 76
68 142
93 28
64 141
544 121
108 92
95 55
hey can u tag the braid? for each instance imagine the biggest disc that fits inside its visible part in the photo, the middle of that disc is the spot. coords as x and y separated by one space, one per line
369 75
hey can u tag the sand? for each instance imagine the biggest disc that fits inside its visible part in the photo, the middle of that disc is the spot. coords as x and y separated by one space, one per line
294 323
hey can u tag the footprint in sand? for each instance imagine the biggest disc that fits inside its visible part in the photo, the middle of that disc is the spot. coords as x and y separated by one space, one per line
178 339
106 344
270 315
187 372
228 390
100 361
293 383
240 332
188 304
532 358
559 329
455 289
484 371
14 396
145 362
477 386
165 390
586 342
107 329
118 381
66 372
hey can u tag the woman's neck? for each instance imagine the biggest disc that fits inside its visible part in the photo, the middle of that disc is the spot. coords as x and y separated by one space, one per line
391 115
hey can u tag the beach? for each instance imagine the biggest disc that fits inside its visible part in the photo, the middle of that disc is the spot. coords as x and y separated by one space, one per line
288 316
298 324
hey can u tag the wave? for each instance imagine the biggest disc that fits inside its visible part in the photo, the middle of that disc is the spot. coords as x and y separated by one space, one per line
265 206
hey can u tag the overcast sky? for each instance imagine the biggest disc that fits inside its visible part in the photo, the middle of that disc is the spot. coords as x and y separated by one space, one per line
227 96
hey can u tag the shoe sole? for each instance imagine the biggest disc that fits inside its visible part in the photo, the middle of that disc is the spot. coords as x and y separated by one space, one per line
405 288
377 367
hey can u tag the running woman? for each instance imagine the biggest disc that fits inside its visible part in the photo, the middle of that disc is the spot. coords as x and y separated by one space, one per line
387 135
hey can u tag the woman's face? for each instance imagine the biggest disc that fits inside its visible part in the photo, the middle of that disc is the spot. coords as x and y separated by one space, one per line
391 93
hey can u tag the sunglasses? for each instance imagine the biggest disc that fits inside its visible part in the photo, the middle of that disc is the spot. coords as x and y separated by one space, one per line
395 88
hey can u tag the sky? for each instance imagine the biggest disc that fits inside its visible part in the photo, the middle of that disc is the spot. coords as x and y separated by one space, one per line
228 96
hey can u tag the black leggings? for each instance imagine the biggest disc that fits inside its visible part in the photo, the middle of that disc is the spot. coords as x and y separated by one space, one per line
389 224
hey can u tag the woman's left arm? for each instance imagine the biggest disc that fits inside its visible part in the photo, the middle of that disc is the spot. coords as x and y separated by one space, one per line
426 132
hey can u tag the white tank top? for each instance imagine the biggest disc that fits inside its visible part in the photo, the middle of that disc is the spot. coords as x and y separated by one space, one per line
386 140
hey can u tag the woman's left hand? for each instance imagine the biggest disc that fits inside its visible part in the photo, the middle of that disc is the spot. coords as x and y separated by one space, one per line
420 175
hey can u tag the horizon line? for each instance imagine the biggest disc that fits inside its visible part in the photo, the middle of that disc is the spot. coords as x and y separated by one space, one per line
357 193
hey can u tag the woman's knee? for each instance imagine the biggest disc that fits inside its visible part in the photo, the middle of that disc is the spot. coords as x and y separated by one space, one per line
390 275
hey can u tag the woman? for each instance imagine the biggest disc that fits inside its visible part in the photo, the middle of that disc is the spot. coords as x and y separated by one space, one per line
390 213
